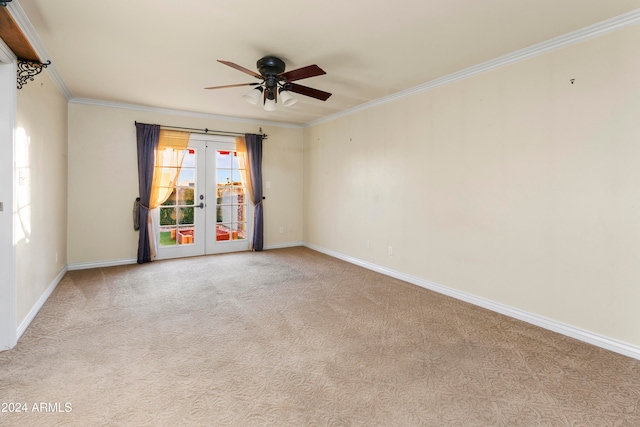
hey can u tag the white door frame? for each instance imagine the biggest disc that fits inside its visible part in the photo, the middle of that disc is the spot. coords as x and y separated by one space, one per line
179 251
213 246
206 186
8 284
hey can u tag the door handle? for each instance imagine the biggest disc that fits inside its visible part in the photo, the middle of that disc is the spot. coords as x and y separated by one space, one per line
201 205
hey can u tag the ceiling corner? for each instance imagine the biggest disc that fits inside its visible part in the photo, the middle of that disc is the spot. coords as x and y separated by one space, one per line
25 43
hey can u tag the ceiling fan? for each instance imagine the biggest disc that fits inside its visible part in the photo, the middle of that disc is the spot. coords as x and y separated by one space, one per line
275 81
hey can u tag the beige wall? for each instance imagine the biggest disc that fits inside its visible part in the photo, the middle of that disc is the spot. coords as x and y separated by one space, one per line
40 227
514 185
103 180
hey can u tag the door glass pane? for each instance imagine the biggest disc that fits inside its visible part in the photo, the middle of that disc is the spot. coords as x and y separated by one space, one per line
224 196
223 159
167 216
223 213
189 160
177 212
231 209
185 236
224 177
238 232
224 165
186 215
223 232
167 236
238 196
186 196
171 200
238 213
187 177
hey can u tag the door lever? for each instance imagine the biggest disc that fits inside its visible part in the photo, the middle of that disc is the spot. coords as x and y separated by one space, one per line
201 205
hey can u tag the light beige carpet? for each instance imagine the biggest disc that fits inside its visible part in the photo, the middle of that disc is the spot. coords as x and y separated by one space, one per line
292 337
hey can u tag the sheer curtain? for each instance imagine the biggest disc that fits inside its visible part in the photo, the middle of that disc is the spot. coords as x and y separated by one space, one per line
249 151
169 156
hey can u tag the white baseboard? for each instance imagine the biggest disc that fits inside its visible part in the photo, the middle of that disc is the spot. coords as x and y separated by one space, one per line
38 305
116 262
101 264
283 245
534 319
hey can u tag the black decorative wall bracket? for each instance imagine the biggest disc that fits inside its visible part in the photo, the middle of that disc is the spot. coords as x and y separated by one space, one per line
28 69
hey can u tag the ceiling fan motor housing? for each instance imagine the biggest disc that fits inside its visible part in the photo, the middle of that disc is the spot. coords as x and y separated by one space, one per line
270 66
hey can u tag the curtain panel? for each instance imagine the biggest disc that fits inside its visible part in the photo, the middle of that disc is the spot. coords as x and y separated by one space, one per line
147 138
253 146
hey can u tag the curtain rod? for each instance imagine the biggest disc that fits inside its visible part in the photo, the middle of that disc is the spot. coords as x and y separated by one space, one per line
206 131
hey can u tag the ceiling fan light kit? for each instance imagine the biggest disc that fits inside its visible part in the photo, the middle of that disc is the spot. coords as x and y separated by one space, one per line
270 105
254 95
275 81
286 98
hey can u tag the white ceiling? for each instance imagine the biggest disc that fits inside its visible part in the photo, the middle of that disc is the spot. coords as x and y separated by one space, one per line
162 53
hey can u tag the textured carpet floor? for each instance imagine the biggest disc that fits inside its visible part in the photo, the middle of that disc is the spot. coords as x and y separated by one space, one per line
292 337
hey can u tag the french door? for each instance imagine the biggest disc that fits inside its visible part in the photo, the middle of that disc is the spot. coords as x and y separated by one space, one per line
209 210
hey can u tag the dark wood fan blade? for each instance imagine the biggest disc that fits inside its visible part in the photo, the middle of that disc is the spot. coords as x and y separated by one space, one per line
239 68
238 85
302 73
309 91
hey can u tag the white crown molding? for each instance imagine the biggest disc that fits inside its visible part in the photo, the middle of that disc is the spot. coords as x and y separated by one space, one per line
169 111
30 33
589 32
574 37
6 54
534 319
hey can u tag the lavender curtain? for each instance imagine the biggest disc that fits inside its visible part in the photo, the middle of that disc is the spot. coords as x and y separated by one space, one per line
254 153
147 137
